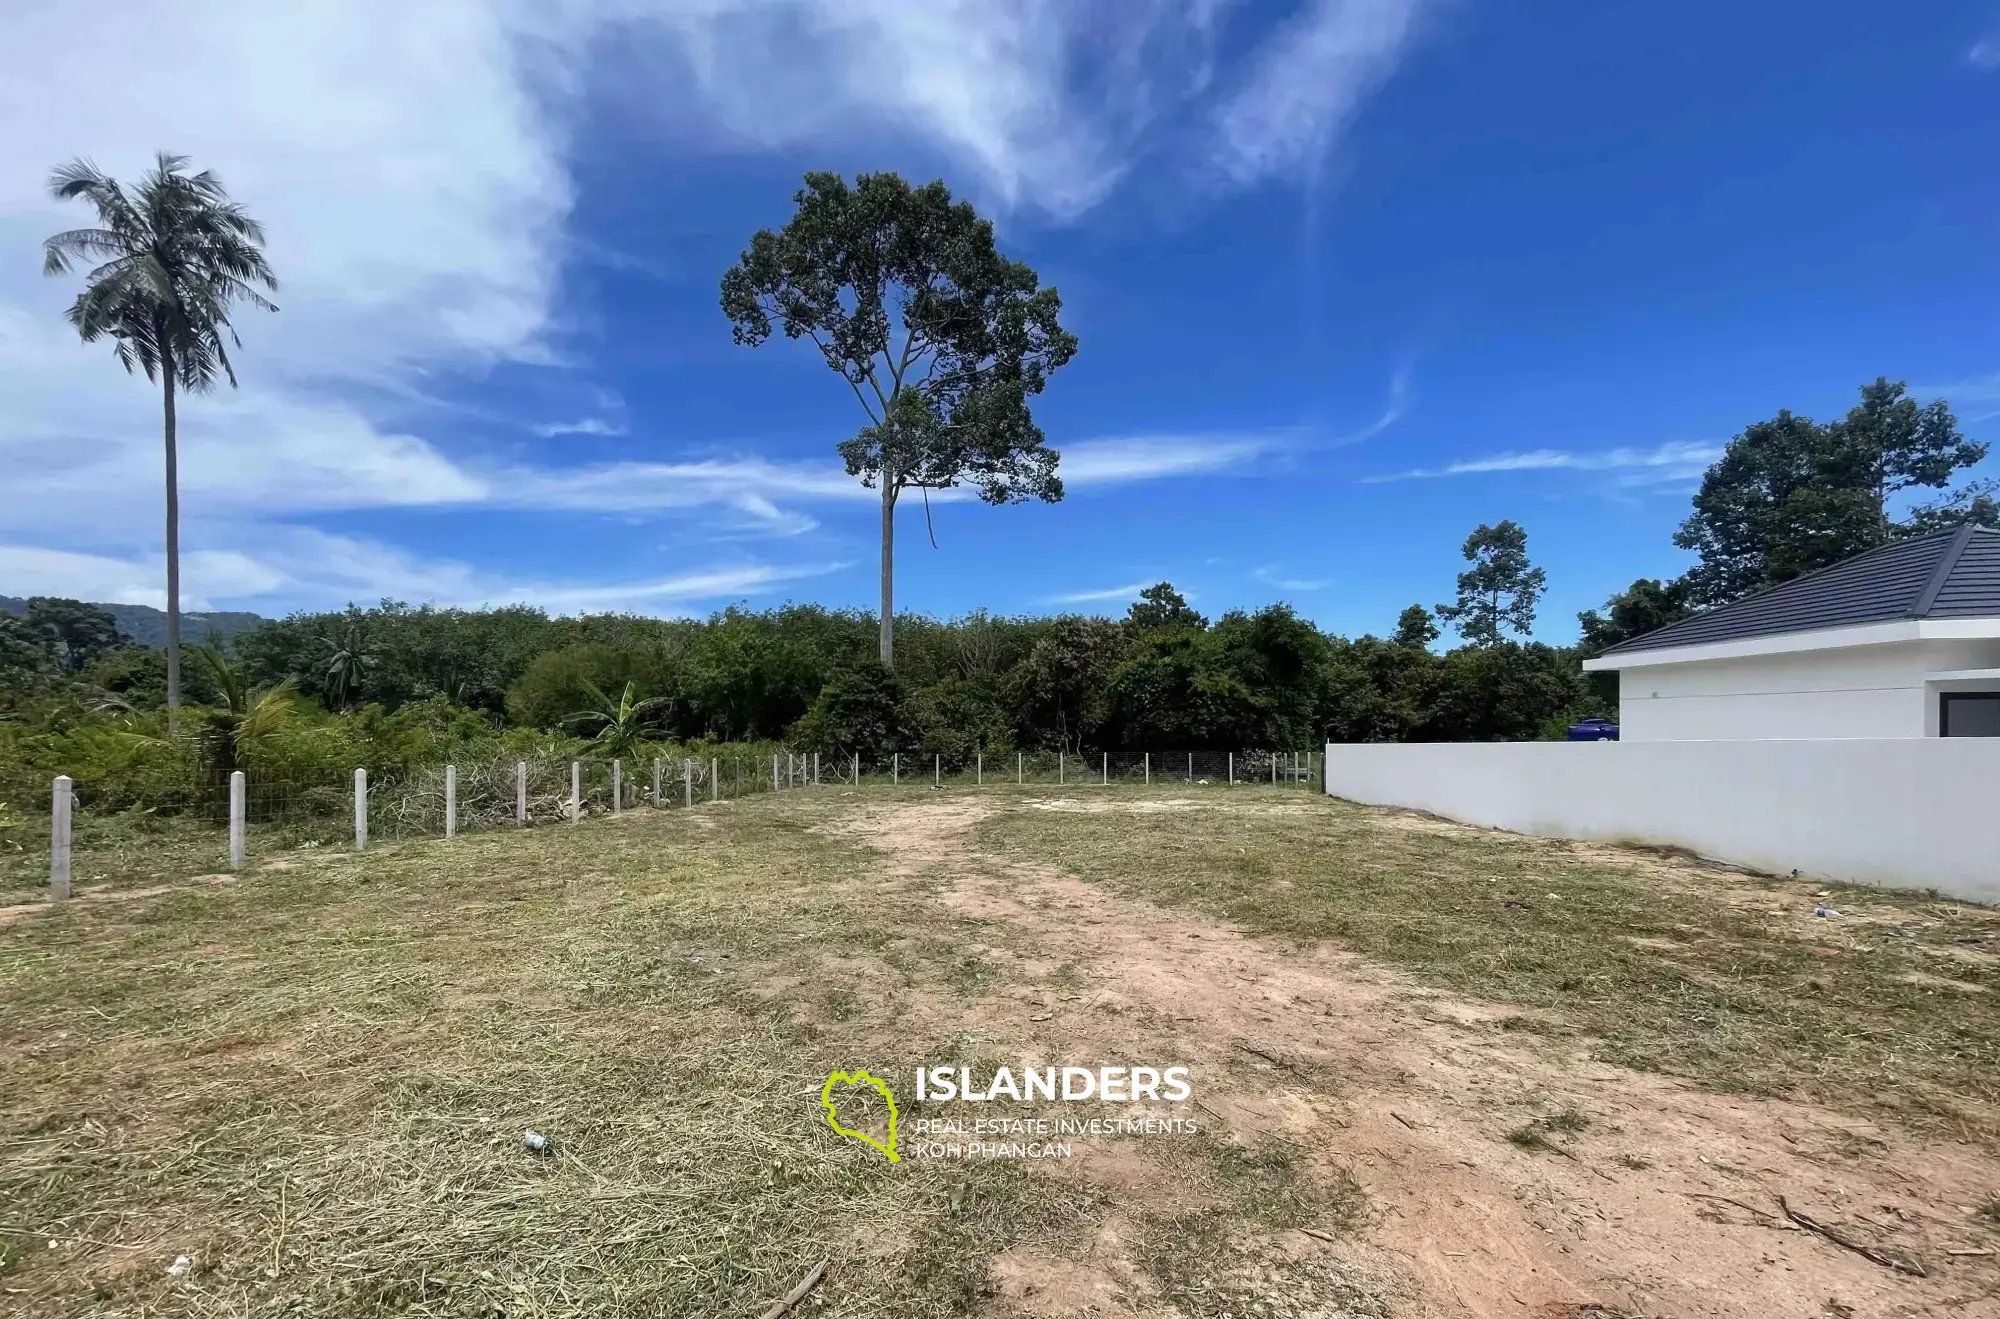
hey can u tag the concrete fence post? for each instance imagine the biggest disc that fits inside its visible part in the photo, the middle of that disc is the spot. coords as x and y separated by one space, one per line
656 782
237 810
1190 767
815 769
1232 769
617 786
687 781
1106 774
450 801
521 792
857 769
714 778
937 771
1018 760
1061 768
1274 769
774 771
895 769
60 806
360 810
979 770
575 792
1149 769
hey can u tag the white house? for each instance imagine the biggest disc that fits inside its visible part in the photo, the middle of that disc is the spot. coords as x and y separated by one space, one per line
1899 642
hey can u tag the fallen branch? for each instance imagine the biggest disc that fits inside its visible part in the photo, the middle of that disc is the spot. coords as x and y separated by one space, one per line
1769 1218
1900 1261
798 1293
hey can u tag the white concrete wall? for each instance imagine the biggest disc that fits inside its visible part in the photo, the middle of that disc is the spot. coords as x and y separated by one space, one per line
1904 812
1859 691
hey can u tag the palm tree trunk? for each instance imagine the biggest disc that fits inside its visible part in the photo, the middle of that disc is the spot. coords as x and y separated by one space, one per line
173 548
888 570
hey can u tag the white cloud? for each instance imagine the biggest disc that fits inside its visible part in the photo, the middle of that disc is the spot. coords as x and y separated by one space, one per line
1984 54
587 426
1307 82
410 164
301 566
1271 575
1143 458
1108 593
1679 460
1048 100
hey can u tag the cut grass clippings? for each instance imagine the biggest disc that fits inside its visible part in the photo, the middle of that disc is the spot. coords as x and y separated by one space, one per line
314 1082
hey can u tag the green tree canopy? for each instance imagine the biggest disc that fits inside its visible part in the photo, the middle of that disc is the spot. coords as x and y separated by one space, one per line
73 634
941 339
1500 589
1415 628
1640 608
1792 494
1160 605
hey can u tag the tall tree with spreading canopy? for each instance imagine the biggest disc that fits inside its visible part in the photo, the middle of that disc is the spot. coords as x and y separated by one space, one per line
1161 606
1500 589
1792 494
174 254
942 340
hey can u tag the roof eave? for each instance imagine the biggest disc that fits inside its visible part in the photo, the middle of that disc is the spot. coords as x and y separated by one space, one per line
1789 643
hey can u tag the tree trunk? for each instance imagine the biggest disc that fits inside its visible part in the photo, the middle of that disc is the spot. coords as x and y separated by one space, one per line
173 548
888 571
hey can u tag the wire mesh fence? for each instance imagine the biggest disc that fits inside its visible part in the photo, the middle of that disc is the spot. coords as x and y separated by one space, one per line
244 813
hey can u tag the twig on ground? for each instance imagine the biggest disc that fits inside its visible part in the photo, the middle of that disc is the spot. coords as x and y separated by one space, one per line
1770 1219
798 1293
1266 1056
1400 1118
1900 1261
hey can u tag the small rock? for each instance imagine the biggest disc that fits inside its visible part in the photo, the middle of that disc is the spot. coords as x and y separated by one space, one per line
535 1141
1825 911
180 1267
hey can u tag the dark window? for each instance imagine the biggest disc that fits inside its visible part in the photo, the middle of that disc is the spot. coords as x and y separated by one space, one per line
1969 714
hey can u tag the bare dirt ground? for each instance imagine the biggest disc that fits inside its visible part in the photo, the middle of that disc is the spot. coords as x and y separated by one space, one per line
1504 1175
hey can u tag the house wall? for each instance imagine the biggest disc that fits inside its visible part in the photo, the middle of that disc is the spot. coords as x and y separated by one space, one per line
1856 691
1907 812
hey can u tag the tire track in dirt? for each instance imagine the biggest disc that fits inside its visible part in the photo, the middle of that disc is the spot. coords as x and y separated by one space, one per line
1665 1206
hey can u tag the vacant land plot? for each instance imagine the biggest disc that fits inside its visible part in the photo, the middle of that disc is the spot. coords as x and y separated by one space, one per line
1435 1071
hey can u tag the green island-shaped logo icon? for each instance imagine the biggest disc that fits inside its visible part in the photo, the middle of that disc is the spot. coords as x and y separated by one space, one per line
881 1088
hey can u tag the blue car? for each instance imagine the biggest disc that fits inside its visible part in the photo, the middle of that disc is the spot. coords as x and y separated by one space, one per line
1594 730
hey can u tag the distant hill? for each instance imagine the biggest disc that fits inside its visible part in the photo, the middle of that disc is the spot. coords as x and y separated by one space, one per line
148 626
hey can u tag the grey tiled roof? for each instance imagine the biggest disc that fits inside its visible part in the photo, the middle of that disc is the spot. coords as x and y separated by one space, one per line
1948 574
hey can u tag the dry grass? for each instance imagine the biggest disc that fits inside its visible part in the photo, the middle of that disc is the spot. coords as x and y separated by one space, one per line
1665 964
314 1083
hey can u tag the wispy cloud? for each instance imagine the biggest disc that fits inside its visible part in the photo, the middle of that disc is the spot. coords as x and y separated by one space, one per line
305 566
1271 575
1392 412
1145 458
1984 54
1307 82
1973 399
587 426
1089 597
1680 460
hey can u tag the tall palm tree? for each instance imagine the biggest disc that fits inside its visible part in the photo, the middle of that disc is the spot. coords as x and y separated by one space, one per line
174 253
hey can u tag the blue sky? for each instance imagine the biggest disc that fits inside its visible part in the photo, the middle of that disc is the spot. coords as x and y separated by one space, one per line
1350 276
